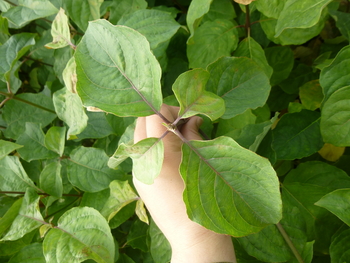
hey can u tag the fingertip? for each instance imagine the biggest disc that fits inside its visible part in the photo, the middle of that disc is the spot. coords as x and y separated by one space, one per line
190 129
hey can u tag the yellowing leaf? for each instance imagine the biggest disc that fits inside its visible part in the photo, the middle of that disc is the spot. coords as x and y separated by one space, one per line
244 2
331 153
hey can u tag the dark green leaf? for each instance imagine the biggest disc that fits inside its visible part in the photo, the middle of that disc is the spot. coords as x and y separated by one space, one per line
249 48
240 82
281 59
28 107
342 21
32 253
76 227
88 169
13 50
311 95
227 198
335 116
337 202
82 11
97 126
272 8
160 247
34 144
220 9
137 235
297 135
212 40
337 74
307 184
340 247
117 71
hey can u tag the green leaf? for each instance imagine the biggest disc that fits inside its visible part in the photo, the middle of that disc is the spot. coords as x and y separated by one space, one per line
70 109
342 21
95 200
291 36
27 107
222 192
117 71
141 212
29 10
300 14
7 147
76 227
307 184
69 75
97 126
238 81
249 48
297 135
196 11
311 95
55 139
281 59
337 74
272 8
340 248
14 48
335 116
82 11
121 194
214 39
28 218
51 180
88 170
159 246
119 8
7 219
13 176
32 253
150 150
338 203
222 9
189 89
60 31
157 26
137 235
34 144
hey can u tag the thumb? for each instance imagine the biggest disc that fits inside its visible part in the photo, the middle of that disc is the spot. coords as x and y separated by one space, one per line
190 129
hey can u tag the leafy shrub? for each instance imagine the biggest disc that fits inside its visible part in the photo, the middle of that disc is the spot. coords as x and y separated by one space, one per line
270 78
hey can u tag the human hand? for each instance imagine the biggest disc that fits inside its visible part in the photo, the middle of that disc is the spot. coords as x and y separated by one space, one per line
190 242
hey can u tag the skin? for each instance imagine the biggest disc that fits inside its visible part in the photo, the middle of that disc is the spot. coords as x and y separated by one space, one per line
189 241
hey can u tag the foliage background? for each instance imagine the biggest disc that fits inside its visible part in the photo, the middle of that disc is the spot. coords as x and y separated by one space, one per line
281 67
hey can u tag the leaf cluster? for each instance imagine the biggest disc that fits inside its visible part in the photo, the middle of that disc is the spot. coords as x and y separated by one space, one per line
271 79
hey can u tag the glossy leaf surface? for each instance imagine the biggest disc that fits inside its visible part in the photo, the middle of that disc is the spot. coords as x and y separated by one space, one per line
224 192
112 51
